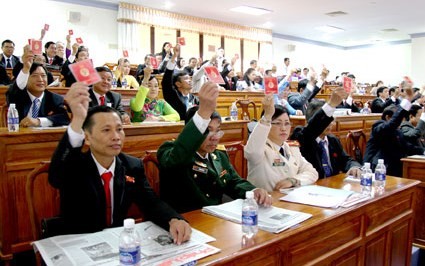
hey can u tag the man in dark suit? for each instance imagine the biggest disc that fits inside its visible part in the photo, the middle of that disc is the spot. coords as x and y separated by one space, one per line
307 90
229 78
383 100
52 59
4 77
7 59
194 172
79 53
35 104
97 187
323 150
101 94
387 141
349 104
176 87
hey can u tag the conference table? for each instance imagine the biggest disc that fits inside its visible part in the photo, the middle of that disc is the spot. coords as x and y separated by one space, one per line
375 232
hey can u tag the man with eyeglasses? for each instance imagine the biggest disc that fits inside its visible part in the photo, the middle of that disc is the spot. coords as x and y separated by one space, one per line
193 172
8 60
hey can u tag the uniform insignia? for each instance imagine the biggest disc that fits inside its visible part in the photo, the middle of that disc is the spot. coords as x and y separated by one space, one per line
293 143
213 156
198 169
223 172
278 162
201 164
129 179
221 147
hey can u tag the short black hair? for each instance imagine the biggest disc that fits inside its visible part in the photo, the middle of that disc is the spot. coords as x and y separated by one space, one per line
380 90
413 111
81 49
89 122
391 90
389 111
285 59
351 76
191 112
278 111
7 41
312 108
177 76
47 45
302 84
103 69
34 66
253 62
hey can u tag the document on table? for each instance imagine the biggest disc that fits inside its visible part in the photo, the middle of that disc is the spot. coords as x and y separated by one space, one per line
422 157
271 219
318 196
98 248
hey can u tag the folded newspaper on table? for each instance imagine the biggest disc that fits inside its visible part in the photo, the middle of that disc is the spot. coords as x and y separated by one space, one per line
157 247
271 219
324 196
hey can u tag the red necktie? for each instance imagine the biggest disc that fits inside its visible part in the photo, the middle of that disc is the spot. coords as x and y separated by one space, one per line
102 100
106 177
50 61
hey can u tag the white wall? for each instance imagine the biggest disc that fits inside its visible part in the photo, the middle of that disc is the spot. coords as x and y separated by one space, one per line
418 61
97 28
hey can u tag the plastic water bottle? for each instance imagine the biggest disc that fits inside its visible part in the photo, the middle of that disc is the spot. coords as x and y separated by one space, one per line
114 82
234 112
129 244
124 83
249 215
366 179
365 109
12 118
380 175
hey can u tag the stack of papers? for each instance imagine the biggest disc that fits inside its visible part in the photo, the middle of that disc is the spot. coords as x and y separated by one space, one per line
324 197
98 248
351 178
271 219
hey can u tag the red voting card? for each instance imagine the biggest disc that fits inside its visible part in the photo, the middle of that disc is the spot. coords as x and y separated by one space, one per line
70 32
84 71
347 84
46 27
125 53
270 85
181 41
79 40
214 75
36 47
154 62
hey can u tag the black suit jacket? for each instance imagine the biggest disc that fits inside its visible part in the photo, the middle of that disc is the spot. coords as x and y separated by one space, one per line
110 97
310 149
51 107
67 74
378 105
4 78
57 61
13 58
173 96
345 105
83 206
226 84
387 142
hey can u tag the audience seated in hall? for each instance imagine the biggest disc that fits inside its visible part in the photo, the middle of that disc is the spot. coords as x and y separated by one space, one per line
305 92
387 141
274 163
229 78
348 103
101 94
383 100
123 72
37 59
176 87
79 53
7 58
191 67
52 59
146 106
193 172
413 126
84 179
282 99
248 83
141 67
199 77
35 104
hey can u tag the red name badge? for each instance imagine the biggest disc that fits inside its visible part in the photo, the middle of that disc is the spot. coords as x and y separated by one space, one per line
270 85
181 41
46 27
213 75
84 71
36 47
125 53
154 62
79 40
347 84
70 32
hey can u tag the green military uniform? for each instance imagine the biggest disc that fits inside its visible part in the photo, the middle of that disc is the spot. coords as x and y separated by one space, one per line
188 182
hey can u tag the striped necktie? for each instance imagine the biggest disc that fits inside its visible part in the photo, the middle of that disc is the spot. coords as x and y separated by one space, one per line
35 108
8 64
327 168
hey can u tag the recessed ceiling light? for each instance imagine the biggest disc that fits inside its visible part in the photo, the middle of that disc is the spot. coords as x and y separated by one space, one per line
329 29
255 11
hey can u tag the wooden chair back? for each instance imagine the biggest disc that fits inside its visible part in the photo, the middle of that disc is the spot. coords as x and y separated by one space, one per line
43 199
236 158
3 115
245 104
151 165
356 144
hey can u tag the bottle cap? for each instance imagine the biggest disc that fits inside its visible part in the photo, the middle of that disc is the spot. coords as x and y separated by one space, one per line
381 161
129 223
249 194
12 105
366 165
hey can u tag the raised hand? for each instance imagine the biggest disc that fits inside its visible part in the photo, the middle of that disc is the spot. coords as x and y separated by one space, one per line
336 97
207 99
268 106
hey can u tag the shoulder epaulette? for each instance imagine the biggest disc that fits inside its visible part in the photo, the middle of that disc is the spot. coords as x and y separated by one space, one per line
221 147
293 143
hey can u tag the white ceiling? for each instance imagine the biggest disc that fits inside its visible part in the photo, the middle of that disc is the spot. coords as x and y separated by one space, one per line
298 18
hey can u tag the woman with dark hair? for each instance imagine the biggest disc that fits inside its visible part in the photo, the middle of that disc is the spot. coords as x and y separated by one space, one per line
273 162
146 106
248 82
166 50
